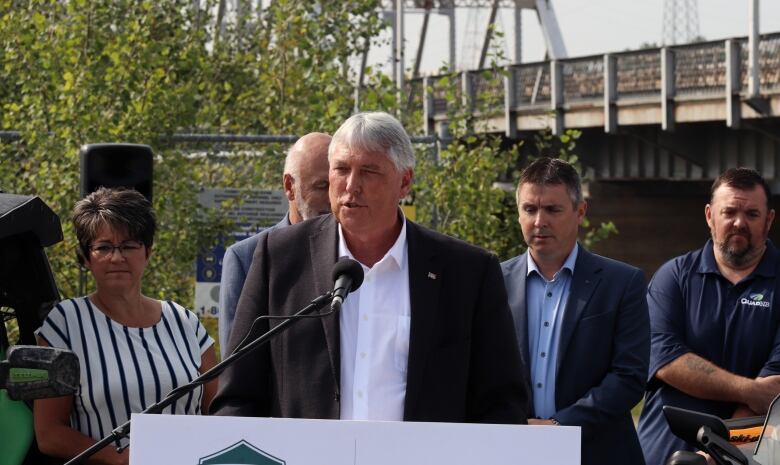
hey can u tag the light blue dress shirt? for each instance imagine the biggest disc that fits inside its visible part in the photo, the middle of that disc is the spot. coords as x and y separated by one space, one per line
545 304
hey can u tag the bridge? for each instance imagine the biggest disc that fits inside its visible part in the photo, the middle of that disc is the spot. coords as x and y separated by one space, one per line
683 112
658 125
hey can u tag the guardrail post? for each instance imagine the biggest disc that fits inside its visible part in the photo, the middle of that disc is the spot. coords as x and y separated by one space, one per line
733 83
556 96
510 103
610 94
667 89
429 123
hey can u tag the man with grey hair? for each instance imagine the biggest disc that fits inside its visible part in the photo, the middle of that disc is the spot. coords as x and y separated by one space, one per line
428 336
306 187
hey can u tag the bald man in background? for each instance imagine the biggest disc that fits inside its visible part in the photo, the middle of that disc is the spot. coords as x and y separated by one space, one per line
306 187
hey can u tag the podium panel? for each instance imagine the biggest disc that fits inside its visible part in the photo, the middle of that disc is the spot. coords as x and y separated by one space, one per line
203 440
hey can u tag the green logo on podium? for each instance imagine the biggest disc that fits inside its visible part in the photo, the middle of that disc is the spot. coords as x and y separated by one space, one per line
241 453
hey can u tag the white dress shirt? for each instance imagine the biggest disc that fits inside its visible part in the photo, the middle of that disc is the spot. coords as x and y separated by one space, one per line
374 328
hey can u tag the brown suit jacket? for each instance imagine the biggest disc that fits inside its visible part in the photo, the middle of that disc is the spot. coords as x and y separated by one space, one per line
464 365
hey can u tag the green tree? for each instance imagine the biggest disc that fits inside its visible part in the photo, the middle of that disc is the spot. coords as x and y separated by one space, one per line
468 190
84 71
87 71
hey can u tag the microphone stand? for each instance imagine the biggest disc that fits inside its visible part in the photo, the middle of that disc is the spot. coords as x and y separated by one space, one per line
124 429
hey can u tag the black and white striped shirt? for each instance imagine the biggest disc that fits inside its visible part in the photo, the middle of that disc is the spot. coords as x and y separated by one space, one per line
123 369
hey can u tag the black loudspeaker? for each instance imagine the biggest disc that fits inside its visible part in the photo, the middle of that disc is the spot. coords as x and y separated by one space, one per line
27 286
117 165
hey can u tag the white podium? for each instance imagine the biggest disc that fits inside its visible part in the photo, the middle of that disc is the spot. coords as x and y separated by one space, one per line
199 440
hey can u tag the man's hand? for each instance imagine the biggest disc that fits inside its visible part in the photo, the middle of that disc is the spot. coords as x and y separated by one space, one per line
761 393
710 460
540 422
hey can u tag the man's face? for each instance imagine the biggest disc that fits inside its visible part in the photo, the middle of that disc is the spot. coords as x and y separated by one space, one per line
548 220
311 190
365 189
739 222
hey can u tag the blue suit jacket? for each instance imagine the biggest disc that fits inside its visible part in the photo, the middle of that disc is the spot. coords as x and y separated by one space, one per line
235 265
603 353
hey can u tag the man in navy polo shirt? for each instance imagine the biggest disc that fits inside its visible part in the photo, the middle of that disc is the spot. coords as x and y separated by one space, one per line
715 315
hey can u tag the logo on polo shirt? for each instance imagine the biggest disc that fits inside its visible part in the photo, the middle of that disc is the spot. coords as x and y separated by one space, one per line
756 300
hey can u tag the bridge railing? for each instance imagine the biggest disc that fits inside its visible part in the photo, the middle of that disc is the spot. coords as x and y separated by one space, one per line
769 58
700 69
583 78
532 83
638 73
664 75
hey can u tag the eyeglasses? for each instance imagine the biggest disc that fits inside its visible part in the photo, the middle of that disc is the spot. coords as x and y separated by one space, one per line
106 249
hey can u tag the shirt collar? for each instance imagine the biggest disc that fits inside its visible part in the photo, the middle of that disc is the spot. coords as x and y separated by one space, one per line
397 252
707 264
568 264
767 267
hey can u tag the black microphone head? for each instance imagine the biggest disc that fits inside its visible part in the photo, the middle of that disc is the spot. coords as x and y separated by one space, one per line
351 268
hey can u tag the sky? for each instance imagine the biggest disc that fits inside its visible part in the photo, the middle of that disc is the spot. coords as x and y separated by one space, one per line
588 27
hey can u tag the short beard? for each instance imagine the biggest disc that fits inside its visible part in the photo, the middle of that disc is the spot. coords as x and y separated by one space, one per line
306 211
737 258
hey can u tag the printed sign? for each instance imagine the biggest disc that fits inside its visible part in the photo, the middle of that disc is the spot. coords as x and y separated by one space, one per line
252 211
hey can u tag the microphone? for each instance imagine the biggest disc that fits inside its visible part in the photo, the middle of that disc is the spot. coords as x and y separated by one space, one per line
33 372
348 276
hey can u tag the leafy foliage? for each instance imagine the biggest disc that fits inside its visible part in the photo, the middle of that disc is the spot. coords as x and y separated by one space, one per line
469 190
83 71
457 192
88 71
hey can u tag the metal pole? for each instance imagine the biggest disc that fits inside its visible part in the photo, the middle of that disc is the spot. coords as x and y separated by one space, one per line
393 42
421 47
361 75
399 46
399 57
488 34
753 39
453 44
219 28
518 32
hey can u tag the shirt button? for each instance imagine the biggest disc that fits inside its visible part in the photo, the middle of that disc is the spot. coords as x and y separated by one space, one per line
539 385
360 394
365 317
543 354
362 355
546 323
549 294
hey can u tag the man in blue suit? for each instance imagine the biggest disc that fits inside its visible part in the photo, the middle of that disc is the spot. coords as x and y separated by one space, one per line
581 320
306 187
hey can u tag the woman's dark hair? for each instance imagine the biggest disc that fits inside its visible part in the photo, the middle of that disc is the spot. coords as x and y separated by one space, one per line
121 209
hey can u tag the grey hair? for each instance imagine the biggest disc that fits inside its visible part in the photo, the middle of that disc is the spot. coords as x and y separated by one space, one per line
376 131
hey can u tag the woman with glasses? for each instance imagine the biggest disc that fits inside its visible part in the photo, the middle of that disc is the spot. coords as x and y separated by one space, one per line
133 349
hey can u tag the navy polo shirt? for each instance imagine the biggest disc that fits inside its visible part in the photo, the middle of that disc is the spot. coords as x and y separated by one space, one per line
693 308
